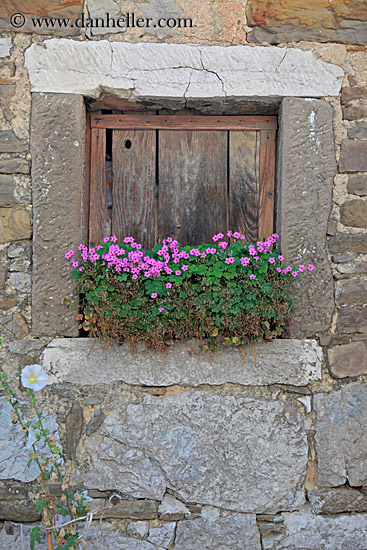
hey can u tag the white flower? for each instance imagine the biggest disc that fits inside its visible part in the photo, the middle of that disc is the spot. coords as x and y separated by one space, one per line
83 496
34 377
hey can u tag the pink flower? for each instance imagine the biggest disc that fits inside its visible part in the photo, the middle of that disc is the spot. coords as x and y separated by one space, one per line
69 254
256 258
279 269
169 285
301 268
237 235
185 267
81 268
281 258
229 233
271 260
252 276
74 263
178 272
229 260
106 239
275 236
294 273
113 239
154 295
310 267
245 261
223 245
160 309
135 276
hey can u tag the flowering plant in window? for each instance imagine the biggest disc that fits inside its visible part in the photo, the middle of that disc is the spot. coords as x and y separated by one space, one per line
228 290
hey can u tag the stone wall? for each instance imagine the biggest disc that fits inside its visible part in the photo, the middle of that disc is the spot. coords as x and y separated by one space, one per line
205 452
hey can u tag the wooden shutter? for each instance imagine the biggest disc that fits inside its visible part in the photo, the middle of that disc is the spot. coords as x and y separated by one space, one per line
182 176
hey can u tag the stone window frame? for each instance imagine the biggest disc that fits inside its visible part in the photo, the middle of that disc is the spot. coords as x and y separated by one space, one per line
305 151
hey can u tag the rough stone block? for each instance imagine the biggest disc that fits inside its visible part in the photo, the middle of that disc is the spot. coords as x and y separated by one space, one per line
214 532
349 360
353 156
305 531
14 166
357 184
16 324
359 131
351 292
5 45
132 509
354 92
7 187
346 243
172 509
239 453
352 319
337 501
297 21
355 112
14 450
74 422
354 213
306 137
9 143
21 281
14 224
58 141
7 302
340 438
295 362
52 9
178 71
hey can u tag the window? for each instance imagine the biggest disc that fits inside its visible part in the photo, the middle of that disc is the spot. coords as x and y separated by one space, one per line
184 176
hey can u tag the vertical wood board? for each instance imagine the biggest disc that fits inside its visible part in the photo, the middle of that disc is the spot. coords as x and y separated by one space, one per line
244 182
267 175
134 183
192 185
99 223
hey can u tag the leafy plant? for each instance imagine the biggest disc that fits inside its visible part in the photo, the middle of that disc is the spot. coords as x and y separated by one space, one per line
229 291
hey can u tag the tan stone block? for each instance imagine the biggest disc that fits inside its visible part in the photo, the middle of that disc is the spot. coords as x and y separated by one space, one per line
344 243
316 20
351 292
359 131
15 224
14 166
7 186
348 360
354 213
7 302
353 156
41 9
352 319
357 184
16 324
355 112
354 92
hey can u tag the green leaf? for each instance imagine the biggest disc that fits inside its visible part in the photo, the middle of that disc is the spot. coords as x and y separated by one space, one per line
35 536
71 541
41 503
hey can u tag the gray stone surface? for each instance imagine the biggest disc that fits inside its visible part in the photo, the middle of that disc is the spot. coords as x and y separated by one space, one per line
14 166
341 434
216 532
352 292
306 172
5 45
7 187
337 501
22 347
295 362
112 539
343 242
357 184
171 509
163 536
352 319
99 8
304 531
15 542
242 454
14 450
9 143
348 360
353 156
57 174
21 281
138 529
178 70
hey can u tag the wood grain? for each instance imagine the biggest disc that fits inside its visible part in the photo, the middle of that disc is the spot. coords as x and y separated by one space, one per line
134 183
86 189
244 182
192 185
267 174
183 122
99 223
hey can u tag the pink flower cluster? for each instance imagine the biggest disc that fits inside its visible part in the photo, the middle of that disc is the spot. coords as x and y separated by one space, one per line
137 262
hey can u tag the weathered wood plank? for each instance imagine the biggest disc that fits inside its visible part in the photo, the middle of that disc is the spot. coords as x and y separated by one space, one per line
134 184
267 174
192 185
183 122
99 223
86 188
244 182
